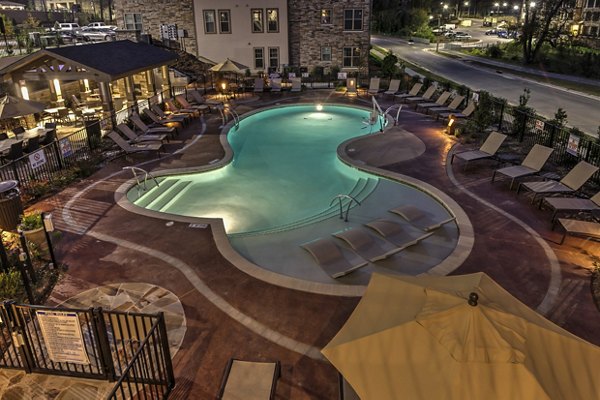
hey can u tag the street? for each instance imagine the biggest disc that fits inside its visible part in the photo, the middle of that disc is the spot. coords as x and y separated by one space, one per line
581 108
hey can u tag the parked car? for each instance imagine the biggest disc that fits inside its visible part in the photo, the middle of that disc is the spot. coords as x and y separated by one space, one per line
502 34
492 31
462 36
67 26
99 25
96 34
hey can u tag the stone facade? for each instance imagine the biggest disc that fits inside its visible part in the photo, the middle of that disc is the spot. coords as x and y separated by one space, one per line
155 13
308 35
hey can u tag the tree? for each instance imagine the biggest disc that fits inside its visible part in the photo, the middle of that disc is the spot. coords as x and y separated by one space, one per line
388 65
543 23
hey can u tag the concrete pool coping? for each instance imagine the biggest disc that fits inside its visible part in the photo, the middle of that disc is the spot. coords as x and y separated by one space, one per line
450 263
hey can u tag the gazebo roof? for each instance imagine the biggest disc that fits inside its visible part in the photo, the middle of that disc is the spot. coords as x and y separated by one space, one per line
105 61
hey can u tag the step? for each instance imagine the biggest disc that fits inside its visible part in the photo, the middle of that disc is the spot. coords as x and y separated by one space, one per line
154 193
160 203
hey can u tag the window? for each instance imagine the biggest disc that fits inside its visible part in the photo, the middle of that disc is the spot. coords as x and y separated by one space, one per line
590 3
257 20
133 22
224 21
210 25
272 20
326 16
325 53
274 57
351 57
259 58
353 20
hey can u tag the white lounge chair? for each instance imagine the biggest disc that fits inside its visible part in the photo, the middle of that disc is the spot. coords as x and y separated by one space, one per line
296 84
395 233
532 164
421 219
330 257
259 85
572 204
249 380
393 88
154 128
587 229
452 107
413 92
134 148
441 100
186 105
465 113
366 245
426 96
276 85
373 86
135 138
488 149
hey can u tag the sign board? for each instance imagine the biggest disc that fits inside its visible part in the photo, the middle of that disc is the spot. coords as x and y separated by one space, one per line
305 74
65 147
291 75
342 75
475 96
62 336
539 125
37 159
573 145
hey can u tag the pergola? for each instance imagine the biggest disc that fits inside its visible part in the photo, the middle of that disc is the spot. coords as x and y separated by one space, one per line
104 63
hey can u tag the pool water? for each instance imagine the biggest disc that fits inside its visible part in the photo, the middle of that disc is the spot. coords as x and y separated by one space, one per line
284 170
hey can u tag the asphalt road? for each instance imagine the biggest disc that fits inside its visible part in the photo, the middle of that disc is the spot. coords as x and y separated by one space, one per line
583 110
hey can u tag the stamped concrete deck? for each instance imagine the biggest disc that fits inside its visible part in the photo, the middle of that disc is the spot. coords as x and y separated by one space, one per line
230 313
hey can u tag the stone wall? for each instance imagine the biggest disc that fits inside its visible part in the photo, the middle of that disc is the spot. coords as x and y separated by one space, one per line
307 34
157 12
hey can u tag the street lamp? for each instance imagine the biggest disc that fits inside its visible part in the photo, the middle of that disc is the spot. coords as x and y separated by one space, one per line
497 5
468 5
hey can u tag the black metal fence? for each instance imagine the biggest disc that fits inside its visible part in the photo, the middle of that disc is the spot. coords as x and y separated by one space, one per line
89 343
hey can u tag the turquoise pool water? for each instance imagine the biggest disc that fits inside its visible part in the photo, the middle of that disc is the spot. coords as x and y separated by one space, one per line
284 170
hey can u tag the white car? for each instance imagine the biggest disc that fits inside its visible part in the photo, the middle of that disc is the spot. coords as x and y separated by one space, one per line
98 34
99 25
462 36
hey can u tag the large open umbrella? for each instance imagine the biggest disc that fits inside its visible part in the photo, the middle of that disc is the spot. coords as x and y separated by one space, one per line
12 107
229 66
458 337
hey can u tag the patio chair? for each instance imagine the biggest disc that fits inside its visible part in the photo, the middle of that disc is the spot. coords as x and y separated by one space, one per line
465 113
50 137
134 148
488 149
421 219
135 138
249 380
532 164
413 92
259 85
276 85
201 108
173 109
572 204
452 107
365 245
395 233
18 132
33 144
63 116
574 227
152 129
78 103
571 182
296 84
441 100
14 152
200 100
374 87
182 119
393 88
331 259
426 96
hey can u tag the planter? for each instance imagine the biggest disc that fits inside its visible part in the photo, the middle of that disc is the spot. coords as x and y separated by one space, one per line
38 237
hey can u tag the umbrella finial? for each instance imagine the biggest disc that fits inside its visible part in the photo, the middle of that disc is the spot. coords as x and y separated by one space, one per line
473 297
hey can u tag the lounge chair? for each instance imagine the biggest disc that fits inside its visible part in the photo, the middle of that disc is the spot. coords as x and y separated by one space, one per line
373 87
452 107
134 148
532 164
465 113
571 182
200 100
413 92
365 245
395 233
488 149
249 380
572 204
441 100
201 108
276 85
393 88
296 84
420 219
259 85
330 257
574 227
135 138
163 117
152 129
419 99
173 109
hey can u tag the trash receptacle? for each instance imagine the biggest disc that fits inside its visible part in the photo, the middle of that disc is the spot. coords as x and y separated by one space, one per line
11 207
94 134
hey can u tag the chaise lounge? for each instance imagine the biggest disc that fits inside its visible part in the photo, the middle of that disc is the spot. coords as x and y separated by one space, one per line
488 149
249 380
365 245
330 257
395 233
532 164
421 219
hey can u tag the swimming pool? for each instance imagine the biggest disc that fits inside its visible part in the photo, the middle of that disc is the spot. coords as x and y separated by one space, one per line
285 172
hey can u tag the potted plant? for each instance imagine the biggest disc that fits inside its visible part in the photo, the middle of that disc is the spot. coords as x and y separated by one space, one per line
32 227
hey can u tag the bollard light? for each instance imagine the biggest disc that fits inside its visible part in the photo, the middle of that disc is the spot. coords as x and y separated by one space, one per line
48 224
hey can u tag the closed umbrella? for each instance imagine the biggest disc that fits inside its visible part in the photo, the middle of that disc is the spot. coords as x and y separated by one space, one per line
458 337
12 107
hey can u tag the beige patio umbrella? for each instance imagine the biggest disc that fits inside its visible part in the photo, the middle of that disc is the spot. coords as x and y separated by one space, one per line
12 107
229 66
419 338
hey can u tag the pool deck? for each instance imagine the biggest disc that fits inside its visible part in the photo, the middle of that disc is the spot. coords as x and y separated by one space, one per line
230 313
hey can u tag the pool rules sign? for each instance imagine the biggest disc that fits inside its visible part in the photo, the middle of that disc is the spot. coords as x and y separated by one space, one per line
37 159
62 336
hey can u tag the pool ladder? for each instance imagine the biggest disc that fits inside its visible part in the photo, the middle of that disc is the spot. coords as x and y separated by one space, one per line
340 198
234 115
137 172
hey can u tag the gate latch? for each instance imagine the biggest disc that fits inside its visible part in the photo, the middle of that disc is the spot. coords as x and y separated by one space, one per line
18 339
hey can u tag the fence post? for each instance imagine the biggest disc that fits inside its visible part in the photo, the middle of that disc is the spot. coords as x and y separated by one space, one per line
552 134
26 257
166 352
26 283
18 336
56 150
501 118
106 358
523 127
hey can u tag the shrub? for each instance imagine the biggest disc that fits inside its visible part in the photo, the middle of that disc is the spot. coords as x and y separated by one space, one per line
494 51
10 284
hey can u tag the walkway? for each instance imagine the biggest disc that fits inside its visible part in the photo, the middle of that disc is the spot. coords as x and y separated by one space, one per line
229 313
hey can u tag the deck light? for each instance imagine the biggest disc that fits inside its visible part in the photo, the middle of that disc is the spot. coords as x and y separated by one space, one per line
319 107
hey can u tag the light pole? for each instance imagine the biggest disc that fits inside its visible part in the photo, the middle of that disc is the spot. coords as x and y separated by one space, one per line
497 5
468 5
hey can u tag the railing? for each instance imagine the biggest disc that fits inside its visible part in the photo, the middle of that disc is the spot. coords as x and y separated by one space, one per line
134 171
340 198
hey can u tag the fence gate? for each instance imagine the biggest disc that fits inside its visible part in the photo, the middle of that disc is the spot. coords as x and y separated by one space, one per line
88 343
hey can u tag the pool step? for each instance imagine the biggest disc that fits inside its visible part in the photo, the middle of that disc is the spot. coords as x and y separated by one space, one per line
176 190
361 190
154 193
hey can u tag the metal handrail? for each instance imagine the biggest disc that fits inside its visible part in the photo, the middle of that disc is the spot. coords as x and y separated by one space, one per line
147 174
339 198
389 110
224 111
